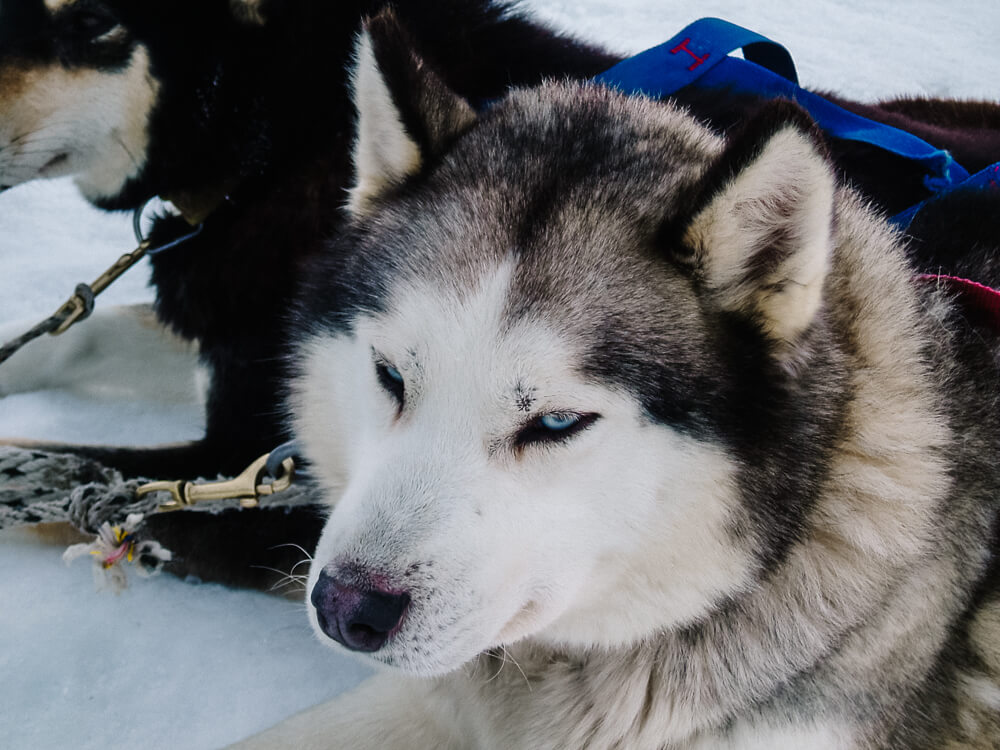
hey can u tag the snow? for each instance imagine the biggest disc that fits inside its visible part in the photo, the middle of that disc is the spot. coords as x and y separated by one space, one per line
165 664
50 240
169 664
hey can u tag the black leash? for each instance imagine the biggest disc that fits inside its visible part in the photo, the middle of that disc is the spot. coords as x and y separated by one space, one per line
49 325
81 304
151 251
76 308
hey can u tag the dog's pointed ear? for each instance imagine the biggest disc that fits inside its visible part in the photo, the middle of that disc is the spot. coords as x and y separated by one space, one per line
761 234
406 113
248 11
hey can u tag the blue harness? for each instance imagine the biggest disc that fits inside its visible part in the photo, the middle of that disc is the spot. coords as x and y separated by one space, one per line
700 53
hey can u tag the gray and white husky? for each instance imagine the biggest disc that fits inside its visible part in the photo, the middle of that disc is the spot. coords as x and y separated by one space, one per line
639 438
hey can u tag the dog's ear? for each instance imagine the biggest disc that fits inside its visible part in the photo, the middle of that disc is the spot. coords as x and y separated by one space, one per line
406 113
761 235
248 11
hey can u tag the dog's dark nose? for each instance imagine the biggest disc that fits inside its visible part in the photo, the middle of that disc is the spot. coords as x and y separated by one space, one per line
360 619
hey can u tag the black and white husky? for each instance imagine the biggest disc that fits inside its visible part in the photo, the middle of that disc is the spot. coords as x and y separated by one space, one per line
639 438
237 112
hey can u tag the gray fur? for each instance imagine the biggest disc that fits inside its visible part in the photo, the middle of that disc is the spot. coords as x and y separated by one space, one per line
862 440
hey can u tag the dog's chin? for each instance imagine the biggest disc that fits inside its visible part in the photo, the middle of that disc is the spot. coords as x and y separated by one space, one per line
57 166
424 660
57 163
426 664
476 635
458 652
9 180
420 659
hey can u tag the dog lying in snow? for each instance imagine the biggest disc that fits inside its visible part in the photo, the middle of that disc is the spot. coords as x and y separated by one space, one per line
237 111
638 437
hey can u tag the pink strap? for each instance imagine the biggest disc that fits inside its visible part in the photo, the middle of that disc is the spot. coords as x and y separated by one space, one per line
974 295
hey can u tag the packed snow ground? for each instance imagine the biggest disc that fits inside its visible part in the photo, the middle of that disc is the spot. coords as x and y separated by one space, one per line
168 664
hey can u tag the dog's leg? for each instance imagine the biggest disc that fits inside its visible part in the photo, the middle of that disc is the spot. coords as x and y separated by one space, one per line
263 549
119 352
387 712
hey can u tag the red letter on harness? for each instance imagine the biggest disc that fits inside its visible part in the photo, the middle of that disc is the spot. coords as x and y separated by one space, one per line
684 46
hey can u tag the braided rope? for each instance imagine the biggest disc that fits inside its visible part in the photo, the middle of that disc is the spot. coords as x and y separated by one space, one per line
48 325
42 487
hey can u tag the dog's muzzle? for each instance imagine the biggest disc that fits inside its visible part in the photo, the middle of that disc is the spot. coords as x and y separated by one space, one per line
361 619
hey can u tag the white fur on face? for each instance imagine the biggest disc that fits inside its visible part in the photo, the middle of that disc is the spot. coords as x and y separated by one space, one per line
84 122
607 538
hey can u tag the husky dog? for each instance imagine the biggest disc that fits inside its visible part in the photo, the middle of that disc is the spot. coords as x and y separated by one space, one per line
237 112
639 438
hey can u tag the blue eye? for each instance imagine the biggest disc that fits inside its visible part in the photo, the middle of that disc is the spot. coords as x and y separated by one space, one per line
391 380
559 422
556 427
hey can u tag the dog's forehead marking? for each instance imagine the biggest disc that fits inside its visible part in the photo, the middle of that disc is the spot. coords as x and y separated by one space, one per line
459 337
56 5
525 397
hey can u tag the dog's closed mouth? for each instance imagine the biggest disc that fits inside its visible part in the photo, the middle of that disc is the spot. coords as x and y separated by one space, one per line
55 161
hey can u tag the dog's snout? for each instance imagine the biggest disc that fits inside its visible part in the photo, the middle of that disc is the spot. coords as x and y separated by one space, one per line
360 618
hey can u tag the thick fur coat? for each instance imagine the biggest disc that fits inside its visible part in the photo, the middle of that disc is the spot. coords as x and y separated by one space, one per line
238 111
637 437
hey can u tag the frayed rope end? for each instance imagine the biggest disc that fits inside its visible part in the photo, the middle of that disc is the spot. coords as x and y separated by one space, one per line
116 546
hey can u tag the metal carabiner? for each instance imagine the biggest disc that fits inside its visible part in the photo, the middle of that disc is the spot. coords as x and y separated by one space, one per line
248 487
